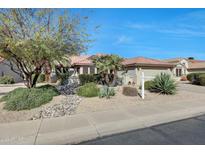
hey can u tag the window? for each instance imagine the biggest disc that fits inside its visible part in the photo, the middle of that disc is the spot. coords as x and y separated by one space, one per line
85 70
178 72
92 70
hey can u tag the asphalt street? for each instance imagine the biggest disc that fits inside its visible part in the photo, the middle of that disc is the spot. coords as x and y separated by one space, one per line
184 132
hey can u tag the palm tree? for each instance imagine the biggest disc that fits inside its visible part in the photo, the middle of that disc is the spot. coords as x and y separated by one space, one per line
108 65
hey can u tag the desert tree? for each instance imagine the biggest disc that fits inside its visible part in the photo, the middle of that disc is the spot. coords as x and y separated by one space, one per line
108 65
31 38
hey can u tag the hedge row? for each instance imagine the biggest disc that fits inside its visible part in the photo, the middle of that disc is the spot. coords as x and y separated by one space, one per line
197 78
87 78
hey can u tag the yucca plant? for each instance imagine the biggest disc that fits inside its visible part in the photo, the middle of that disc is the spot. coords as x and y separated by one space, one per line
106 91
164 84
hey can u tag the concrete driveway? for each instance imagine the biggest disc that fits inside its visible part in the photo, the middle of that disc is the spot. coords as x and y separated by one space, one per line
186 86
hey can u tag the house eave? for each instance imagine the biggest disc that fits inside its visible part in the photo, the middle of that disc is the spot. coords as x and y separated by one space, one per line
150 65
199 68
82 64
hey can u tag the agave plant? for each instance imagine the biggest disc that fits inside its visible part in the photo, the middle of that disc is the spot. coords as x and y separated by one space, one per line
164 84
106 91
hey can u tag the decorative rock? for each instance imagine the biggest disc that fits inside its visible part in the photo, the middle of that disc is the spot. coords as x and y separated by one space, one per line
67 107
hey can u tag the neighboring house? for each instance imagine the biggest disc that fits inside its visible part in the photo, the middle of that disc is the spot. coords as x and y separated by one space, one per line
151 67
185 66
196 66
82 65
6 70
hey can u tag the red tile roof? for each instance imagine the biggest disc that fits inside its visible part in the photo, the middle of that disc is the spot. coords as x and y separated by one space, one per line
84 59
192 64
145 61
81 60
176 60
196 61
196 65
173 60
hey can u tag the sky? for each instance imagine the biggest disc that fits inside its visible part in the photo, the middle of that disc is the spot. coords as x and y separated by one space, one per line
154 33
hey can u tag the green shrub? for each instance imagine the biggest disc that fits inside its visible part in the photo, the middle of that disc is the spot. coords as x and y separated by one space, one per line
106 91
24 98
190 77
6 80
194 78
129 91
148 85
88 90
164 84
202 79
87 78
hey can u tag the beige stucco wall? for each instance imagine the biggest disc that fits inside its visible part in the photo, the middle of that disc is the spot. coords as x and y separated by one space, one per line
184 70
4 69
150 73
128 75
197 71
183 65
134 73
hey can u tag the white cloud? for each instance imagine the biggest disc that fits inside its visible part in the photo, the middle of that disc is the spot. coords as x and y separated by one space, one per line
124 40
183 32
140 26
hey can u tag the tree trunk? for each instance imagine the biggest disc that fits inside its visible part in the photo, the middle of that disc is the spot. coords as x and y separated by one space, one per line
47 70
107 79
35 80
37 72
114 78
29 81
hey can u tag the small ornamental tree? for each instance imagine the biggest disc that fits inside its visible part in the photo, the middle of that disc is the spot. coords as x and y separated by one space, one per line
32 38
106 63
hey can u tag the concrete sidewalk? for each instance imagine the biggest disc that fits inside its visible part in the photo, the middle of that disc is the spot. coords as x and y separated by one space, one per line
87 126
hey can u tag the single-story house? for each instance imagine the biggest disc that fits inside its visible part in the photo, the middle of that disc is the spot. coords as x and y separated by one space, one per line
133 67
184 66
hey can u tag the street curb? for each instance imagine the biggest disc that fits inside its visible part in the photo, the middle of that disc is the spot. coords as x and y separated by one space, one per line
91 130
147 122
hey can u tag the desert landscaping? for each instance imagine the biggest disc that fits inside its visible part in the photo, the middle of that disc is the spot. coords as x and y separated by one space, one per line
79 105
